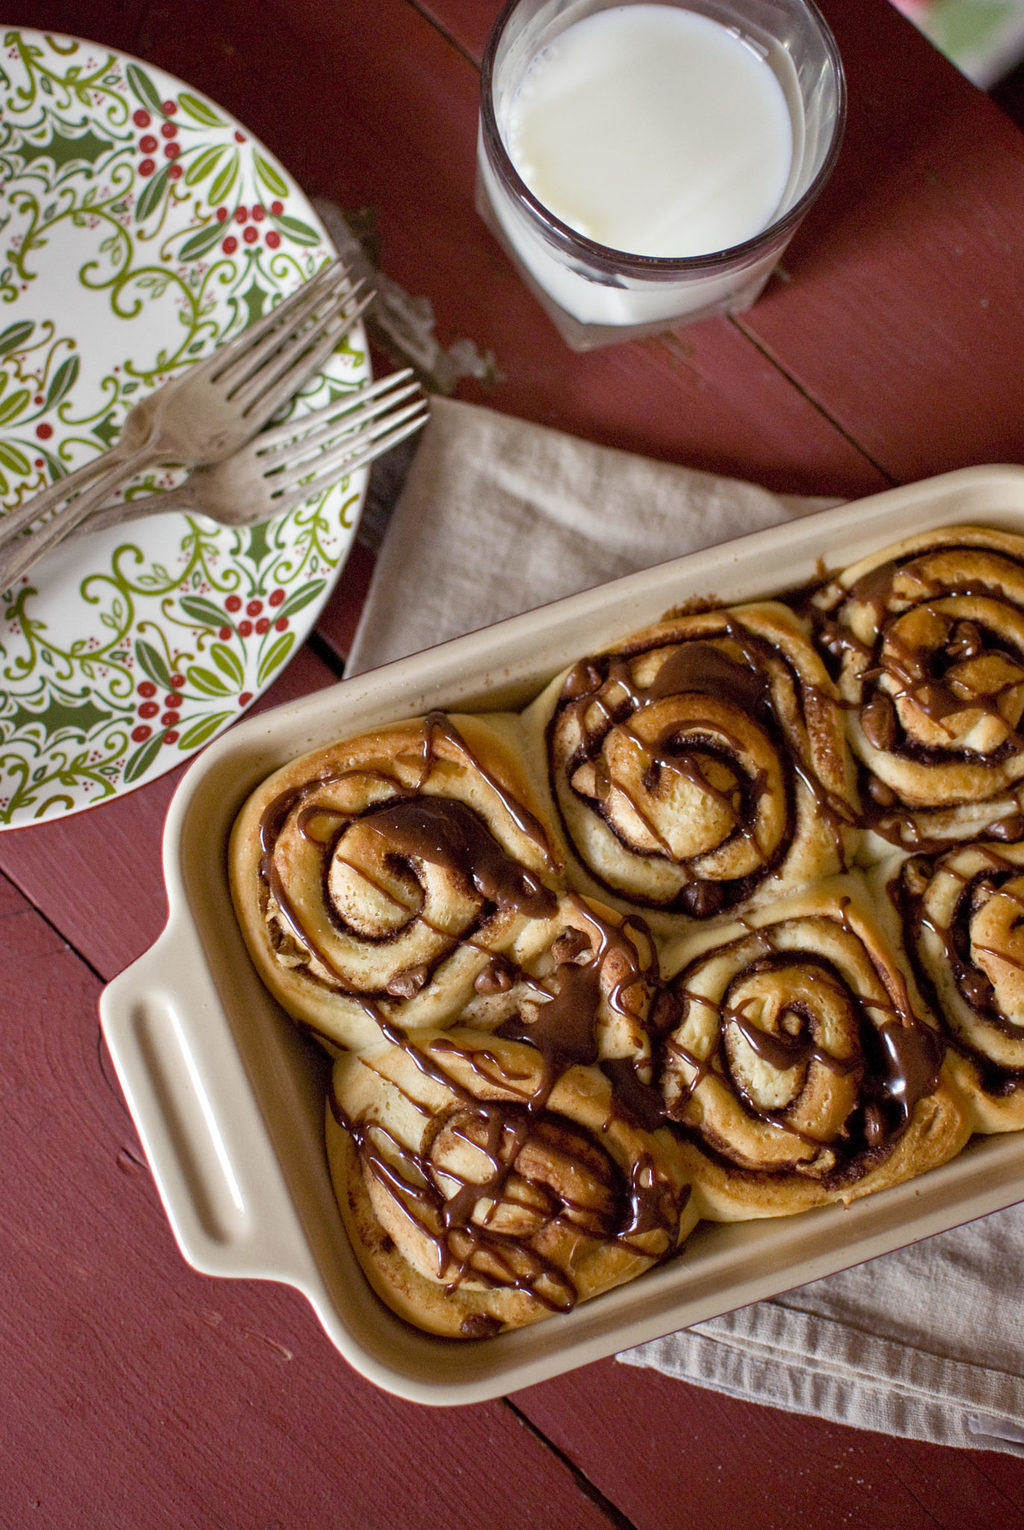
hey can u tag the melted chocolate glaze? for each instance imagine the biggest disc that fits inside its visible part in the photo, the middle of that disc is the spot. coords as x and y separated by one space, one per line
630 1202
895 1058
606 685
896 1062
929 679
414 827
907 890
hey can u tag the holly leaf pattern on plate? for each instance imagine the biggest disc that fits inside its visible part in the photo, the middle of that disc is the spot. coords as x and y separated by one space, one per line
143 226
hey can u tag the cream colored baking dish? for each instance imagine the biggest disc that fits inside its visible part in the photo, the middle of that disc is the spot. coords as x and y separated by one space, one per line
229 1099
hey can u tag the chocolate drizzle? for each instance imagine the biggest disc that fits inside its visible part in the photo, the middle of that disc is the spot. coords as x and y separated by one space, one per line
674 727
940 943
412 828
836 1066
530 1171
928 648
889 1056
449 834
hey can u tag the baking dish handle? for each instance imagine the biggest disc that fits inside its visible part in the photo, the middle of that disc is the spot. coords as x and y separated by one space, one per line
199 1121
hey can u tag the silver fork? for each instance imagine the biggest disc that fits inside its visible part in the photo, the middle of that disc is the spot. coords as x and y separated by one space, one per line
201 417
287 464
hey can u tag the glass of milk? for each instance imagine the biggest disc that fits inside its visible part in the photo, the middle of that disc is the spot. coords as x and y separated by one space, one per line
645 164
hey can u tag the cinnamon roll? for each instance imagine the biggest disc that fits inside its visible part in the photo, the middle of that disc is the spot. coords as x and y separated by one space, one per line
375 879
927 638
801 1068
962 923
482 1190
699 764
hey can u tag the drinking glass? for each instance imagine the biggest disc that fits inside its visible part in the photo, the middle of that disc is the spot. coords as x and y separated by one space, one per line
597 295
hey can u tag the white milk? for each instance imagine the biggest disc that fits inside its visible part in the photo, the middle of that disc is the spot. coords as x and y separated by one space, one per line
653 130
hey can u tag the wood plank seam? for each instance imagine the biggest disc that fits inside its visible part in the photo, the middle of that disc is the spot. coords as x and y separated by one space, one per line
334 661
668 339
615 1515
794 382
65 942
445 33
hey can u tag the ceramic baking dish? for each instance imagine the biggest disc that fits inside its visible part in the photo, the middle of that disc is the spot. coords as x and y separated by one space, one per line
228 1098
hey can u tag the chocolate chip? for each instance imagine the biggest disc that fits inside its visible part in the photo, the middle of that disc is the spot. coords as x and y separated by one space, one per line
407 983
568 945
497 977
878 720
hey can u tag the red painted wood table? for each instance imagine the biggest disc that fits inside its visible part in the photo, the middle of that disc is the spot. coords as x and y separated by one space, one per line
138 1395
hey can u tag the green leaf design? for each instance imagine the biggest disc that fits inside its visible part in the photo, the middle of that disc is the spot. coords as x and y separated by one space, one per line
204 164
153 195
202 611
108 429
69 698
204 729
144 88
274 657
13 459
63 381
61 713
137 764
201 243
274 183
228 662
302 597
13 404
221 188
260 547
15 336
206 682
296 230
151 662
199 110
64 148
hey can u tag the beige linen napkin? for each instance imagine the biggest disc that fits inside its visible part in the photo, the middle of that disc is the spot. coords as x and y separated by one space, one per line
496 517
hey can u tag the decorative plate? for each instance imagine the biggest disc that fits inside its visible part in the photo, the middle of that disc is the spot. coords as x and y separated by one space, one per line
140 225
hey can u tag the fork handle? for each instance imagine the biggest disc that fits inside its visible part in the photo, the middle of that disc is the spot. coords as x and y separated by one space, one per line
19 553
13 522
179 498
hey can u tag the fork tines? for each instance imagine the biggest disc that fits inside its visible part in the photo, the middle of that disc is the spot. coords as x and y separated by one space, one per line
293 340
320 447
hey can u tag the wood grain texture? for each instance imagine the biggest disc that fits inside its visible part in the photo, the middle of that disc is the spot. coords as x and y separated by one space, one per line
900 312
676 1455
711 399
904 280
141 1394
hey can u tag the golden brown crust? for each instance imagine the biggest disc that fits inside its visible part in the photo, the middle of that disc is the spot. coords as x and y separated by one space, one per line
803 1067
700 764
481 1192
960 917
356 881
928 636
573 1013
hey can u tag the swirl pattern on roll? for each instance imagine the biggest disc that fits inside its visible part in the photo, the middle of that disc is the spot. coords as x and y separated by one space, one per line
481 1191
962 921
801 1068
378 877
644 953
700 763
928 641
